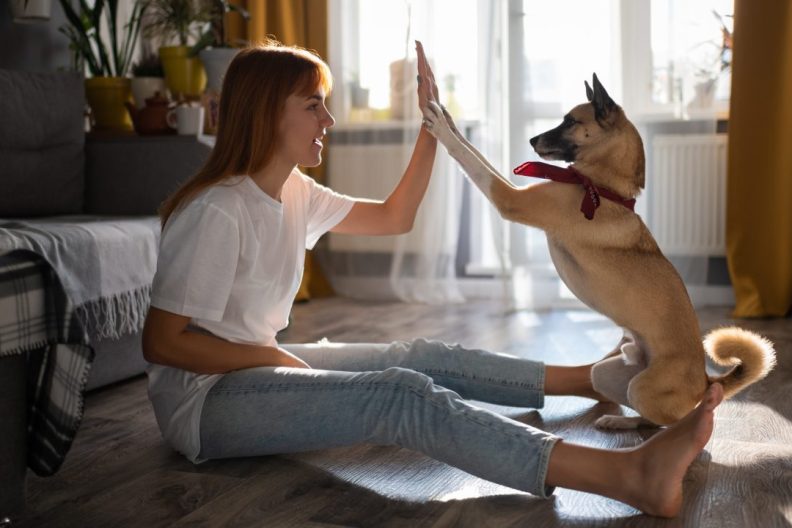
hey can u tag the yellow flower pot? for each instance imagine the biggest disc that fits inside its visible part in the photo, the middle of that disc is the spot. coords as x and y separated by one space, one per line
185 76
106 97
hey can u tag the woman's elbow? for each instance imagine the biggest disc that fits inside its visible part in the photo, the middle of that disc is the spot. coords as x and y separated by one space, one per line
161 332
403 223
150 349
152 344
404 226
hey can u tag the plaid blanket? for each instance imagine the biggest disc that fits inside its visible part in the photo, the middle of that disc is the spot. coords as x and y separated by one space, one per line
37 318
105 264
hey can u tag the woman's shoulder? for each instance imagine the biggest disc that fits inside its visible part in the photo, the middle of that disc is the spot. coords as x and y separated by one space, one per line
302 183
221 199
297 178
225 195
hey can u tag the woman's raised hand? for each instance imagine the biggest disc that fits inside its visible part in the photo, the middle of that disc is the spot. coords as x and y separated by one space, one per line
427 87
436 119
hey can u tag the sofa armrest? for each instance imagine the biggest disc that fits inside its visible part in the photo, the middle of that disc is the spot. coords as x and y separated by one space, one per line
133 175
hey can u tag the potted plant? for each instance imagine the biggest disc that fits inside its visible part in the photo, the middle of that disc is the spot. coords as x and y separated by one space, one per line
148 78
107 61
178 20
213 46
716 69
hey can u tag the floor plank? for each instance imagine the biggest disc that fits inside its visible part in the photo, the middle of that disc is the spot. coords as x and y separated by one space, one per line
119 473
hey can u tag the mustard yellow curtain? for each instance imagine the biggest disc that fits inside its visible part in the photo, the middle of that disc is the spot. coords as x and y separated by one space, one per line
292 22
759 190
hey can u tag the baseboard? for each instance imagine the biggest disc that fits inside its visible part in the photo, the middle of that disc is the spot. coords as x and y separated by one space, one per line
711 295
380 289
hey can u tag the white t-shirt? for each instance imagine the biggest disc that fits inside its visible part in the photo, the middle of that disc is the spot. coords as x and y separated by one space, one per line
232 260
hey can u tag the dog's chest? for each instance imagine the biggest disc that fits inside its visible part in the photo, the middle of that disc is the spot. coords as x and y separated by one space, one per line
572 271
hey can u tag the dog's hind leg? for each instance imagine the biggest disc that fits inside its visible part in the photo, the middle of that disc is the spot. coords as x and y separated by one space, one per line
613 422
612 375
662 397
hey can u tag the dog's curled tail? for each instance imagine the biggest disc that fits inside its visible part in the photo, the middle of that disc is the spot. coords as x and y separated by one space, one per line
751 355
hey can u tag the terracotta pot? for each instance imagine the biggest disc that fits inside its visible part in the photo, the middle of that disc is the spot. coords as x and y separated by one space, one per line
152 119
185 76
107 97
145 87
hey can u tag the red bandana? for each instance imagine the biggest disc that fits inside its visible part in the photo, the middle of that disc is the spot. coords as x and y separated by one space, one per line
569 175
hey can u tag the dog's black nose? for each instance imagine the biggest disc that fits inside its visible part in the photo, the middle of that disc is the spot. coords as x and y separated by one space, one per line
534 140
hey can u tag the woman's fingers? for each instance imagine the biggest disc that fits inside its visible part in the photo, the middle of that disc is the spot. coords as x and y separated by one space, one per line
422 64
426 81
431 77
425 70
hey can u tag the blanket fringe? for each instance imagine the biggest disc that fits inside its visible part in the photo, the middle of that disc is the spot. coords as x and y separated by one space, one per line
115 316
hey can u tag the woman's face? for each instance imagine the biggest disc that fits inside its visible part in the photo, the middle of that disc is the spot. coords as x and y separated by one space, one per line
304 124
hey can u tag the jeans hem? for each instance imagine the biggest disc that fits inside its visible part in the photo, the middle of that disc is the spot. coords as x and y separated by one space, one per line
541 489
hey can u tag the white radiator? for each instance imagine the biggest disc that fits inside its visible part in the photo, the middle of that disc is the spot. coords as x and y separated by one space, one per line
365 171
688 194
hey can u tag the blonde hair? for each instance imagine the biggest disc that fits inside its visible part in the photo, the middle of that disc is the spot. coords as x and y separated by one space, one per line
256 86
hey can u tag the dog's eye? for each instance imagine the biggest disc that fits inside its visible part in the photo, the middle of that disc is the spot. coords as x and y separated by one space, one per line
570 121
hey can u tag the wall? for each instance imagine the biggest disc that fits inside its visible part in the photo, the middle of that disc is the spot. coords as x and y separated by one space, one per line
39 46
35 46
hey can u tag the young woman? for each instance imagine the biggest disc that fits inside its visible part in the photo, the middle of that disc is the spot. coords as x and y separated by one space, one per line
230 263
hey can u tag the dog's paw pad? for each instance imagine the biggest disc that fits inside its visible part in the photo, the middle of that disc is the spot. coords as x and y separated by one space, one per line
616 422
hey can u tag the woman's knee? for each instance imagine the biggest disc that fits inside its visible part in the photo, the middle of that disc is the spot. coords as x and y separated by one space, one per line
404 378
421 347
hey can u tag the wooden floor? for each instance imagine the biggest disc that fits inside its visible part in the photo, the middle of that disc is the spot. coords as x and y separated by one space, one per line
119 473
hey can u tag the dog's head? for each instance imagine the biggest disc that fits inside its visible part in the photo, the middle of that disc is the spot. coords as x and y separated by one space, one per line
599 139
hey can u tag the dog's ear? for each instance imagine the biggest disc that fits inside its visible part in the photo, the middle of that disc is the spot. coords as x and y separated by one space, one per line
589 92
603 104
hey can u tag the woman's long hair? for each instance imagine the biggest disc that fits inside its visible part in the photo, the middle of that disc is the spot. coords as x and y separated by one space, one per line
255 89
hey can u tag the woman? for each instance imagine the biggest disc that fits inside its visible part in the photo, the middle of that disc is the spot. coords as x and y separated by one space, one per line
232 248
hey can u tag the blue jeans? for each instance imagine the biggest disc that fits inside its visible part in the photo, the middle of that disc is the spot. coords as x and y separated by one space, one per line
407 394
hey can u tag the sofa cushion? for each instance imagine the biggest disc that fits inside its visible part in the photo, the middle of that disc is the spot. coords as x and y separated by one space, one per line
41 143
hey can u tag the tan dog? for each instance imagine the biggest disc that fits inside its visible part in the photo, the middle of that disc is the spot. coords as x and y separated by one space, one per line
612 262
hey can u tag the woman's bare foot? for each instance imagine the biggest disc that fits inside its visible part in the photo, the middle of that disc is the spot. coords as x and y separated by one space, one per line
655 484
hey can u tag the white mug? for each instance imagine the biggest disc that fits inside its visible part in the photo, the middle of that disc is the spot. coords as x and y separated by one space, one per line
188 120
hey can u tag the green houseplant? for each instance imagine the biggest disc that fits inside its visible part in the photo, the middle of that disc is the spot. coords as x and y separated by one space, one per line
107 62
178 20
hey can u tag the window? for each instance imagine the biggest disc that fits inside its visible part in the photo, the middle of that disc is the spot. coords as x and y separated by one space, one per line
373 45
677 56
514 67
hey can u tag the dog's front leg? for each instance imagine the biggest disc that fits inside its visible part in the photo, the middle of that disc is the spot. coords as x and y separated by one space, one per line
467 143
512 203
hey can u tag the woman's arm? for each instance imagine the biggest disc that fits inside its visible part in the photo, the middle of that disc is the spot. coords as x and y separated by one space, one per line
166 341
396 214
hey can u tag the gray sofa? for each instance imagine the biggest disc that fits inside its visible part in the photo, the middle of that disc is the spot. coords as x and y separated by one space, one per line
48 167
